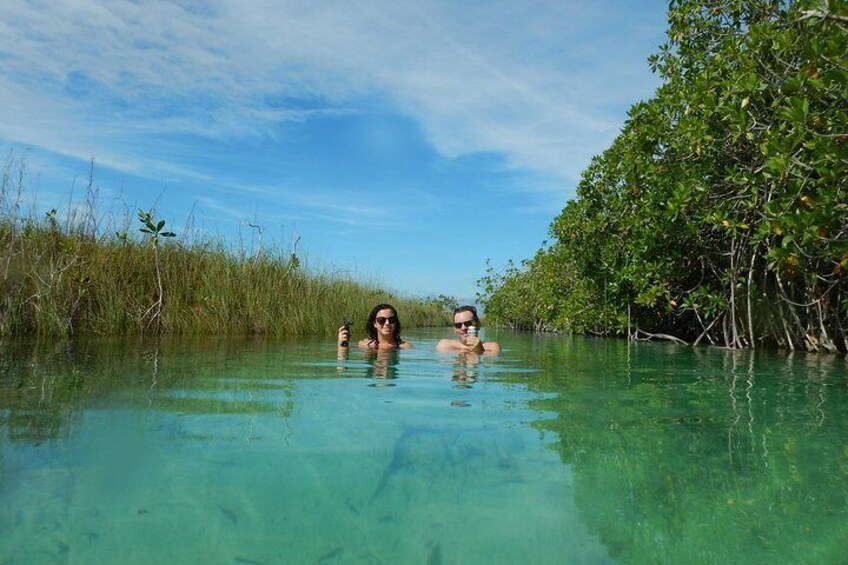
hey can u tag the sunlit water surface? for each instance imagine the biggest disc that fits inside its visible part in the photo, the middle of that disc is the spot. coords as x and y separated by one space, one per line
560 450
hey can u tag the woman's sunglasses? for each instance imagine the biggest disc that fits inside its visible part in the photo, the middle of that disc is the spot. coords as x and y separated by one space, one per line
381 321
467 324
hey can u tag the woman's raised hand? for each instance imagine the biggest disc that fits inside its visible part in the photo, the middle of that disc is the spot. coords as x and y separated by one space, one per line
344 336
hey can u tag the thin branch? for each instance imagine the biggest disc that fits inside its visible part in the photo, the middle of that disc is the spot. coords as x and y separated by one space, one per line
822 15
707 329
665 337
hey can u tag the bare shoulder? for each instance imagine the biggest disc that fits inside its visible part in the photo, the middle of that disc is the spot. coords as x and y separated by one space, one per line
447 345
492 347
405 345
364 343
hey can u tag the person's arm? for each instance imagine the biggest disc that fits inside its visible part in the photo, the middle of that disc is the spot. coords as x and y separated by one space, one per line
343 337
492 347
446 345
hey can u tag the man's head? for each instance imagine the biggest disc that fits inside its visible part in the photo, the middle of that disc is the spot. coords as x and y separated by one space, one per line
463 317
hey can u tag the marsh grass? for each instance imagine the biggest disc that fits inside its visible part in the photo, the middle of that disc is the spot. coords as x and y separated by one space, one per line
95 274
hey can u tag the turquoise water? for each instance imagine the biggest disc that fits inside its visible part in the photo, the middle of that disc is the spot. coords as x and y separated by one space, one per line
560 450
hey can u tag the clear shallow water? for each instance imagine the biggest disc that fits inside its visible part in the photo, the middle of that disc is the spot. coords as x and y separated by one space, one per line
560 450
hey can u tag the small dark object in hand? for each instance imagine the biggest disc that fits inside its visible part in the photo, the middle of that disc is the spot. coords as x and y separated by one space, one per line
347 323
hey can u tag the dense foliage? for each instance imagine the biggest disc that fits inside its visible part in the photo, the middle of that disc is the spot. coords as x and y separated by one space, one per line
720 211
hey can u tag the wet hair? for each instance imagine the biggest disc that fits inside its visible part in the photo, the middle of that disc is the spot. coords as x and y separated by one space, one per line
372 318
471 309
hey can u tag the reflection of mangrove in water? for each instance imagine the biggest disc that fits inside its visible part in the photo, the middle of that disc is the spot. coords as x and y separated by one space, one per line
684 455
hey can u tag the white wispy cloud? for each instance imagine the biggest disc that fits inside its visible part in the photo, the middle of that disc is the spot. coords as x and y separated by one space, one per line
532 82
356 208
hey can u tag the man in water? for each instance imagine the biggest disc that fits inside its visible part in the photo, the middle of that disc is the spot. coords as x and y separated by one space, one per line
463 318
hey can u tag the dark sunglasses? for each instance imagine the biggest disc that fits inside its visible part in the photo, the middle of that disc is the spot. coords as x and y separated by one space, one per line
467 324
382 321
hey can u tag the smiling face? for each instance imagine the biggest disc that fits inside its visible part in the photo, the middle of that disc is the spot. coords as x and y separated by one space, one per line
385 322
464 319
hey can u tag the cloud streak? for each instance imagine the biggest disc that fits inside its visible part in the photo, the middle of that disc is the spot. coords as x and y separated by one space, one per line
526 82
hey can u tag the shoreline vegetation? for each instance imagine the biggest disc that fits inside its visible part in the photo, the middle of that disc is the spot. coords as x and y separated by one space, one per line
91 274
720 212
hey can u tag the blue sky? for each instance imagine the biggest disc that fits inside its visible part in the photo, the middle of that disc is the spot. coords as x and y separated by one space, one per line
402 142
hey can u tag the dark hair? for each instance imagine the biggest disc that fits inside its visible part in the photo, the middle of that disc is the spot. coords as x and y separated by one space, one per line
372 331
467 308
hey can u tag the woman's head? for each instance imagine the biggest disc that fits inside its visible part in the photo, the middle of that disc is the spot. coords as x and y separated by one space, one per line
383 323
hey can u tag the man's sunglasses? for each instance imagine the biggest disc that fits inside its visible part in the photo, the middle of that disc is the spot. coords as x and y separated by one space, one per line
467 324
381 321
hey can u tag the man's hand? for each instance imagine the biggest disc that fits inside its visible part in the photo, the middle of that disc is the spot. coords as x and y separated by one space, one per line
473 343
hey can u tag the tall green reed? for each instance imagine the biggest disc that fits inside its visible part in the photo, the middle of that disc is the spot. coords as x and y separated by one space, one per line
105 275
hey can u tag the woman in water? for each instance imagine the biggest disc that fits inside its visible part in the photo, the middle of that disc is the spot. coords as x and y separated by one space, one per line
383 326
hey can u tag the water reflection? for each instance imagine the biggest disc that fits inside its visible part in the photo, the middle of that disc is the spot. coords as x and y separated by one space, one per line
382 363
637 453
271 457
379 364
45 385
466 370
701 455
